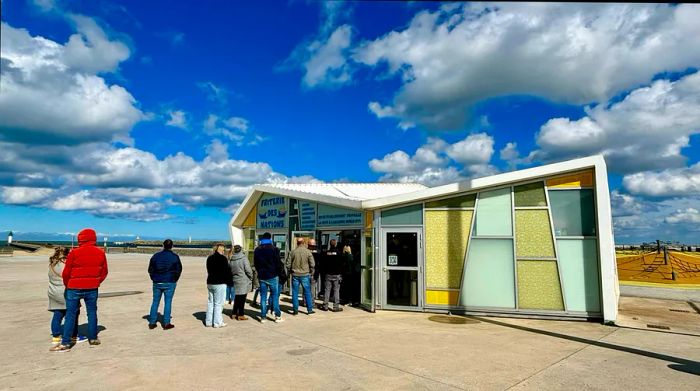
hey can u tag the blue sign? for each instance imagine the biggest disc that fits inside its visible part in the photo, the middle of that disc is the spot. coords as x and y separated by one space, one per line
307 210
332 216
272 212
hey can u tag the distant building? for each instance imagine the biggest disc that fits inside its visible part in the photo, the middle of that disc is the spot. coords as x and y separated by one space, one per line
536 242
9 238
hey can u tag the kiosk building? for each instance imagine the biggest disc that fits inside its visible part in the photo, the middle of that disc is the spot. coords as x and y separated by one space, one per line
536 242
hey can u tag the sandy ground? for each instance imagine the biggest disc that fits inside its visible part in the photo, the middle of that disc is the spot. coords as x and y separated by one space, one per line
327 351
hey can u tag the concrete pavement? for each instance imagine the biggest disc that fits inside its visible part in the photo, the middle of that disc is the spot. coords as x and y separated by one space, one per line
348 350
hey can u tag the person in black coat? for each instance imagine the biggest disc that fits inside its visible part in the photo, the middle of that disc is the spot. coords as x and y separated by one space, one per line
270 268
165 269
218 277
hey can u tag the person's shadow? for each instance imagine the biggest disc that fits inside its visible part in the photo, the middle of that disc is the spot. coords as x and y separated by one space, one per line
83 329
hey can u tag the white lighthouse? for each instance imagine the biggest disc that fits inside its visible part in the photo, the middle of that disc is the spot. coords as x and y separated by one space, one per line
9 238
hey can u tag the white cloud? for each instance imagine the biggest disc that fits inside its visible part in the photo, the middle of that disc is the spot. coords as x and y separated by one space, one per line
235 129
177 118
238 123
451 58
24 195
434 162
85 201
51 94
666 183
646 130
215 93
629 205
689 215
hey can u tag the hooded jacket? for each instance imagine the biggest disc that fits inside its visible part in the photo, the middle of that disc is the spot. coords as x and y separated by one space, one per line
242 273
86 266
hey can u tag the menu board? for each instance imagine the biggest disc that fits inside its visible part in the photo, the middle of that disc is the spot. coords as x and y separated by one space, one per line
332 216
272 212
307 210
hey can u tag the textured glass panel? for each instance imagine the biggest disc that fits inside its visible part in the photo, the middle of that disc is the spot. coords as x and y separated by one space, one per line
434 297
578 179
446 237
408 215
533 234
573 212
493 213
465 201
488 278
578 262
531 194
538 286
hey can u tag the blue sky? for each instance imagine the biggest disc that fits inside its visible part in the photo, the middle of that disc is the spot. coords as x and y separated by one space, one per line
155 118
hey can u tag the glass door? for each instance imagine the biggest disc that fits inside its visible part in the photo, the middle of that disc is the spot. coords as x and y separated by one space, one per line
403 260
367 272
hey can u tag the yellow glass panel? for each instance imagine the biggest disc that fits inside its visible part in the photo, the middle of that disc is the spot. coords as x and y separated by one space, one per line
250 219
369 217
446 237
441 297
538 286
533 235
578 179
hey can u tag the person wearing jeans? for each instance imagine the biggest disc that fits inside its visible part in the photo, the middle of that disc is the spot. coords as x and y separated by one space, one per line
84 271
301 262
268 264
218 277
57 298
165 269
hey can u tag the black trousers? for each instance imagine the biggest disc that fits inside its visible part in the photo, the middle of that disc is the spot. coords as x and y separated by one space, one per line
238 305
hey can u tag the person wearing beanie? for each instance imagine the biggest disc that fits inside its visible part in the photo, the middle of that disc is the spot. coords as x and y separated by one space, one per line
266 258
165 269
85 269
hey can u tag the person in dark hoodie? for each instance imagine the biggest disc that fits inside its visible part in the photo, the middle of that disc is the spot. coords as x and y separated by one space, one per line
333 266
84 271
165 269
218 277
266 258
242 279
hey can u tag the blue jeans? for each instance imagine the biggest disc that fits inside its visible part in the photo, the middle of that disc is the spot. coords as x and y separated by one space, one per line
273 286
215 304
230 293
73 297
57 328
305 282
166 289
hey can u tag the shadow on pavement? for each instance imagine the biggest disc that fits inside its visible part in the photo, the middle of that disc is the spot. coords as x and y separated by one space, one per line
687 366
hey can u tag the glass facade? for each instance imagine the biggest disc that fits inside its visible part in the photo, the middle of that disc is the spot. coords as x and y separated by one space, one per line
407 215
488 276
533 234
494 213
578 260
465 201
538 286
573 212
446 237
531 194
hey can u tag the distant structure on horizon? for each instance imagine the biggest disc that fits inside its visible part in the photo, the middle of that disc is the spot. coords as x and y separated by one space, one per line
9 238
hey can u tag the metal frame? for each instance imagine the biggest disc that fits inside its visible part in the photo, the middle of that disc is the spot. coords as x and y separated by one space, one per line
418 268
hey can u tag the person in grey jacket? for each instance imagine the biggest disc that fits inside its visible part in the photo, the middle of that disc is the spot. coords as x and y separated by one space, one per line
301 262
242 281
57 299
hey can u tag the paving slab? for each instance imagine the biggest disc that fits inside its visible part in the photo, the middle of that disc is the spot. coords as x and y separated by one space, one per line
352 350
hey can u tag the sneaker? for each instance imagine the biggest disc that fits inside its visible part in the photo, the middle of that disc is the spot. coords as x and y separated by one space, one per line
242 317
295 313
279 319
94 342
339 309
55 340
152 326
310 312
78 339
168 326
220 325
263 320
60 348
324 308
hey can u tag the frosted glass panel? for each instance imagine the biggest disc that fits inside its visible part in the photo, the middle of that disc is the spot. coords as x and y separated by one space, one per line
466 201
573 212
533 234
578 264
446 237
488 277
408 215
493 214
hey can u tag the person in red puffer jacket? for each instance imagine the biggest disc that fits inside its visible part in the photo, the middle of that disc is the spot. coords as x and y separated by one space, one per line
84 271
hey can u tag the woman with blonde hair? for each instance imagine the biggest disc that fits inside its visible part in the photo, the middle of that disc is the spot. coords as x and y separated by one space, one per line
57 300
218 277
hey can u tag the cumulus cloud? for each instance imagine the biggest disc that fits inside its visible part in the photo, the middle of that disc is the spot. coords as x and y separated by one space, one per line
51 93
84 200
647 130
235 129
24 195
689 215
324 58
628 205
666 183
453 57
437 161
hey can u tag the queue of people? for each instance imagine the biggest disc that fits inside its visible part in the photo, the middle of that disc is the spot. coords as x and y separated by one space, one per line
78 273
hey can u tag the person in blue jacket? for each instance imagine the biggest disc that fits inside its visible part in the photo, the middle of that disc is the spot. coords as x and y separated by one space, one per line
165 269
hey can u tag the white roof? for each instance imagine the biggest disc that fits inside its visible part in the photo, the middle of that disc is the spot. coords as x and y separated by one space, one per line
380 195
